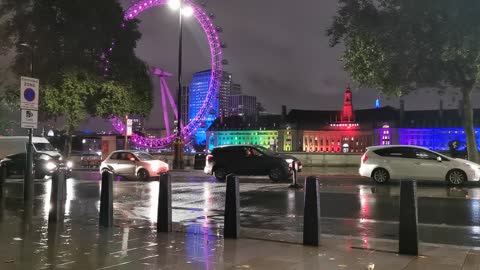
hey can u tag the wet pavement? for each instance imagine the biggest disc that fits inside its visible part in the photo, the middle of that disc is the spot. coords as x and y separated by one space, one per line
351 207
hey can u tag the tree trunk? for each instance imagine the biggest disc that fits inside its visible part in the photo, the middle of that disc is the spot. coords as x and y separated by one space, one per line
68 149
469 126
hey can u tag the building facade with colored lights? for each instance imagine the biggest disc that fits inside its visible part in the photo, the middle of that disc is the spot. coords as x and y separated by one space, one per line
198 90
351 131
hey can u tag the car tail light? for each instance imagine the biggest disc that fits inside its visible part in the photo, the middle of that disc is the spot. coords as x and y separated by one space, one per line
209 157
364 158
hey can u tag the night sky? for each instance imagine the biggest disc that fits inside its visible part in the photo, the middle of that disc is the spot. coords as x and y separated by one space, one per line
277 50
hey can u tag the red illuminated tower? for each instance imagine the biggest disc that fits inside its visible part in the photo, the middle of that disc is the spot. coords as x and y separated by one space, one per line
347 113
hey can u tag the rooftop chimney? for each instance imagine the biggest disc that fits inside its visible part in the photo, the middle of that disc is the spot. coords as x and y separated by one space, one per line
284 113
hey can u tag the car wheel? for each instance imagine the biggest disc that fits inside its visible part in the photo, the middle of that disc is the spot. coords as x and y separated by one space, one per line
220 174
276 174
143 175
456 177
380 176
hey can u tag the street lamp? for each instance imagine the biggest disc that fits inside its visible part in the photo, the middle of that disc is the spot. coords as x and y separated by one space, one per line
28 173
187 11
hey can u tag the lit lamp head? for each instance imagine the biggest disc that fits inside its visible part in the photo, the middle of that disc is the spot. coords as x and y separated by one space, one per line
186 10
174 4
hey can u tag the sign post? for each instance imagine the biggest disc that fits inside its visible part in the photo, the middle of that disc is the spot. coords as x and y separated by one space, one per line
128 130
29 119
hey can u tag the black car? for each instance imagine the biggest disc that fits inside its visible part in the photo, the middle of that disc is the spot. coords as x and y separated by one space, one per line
250 160
43 164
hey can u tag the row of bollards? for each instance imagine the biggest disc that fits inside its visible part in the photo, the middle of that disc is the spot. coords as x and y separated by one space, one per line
408 227
164 217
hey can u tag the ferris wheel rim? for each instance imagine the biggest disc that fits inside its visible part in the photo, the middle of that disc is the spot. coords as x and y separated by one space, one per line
216 75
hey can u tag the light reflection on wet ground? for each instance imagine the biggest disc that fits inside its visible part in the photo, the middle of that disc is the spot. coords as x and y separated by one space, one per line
349 206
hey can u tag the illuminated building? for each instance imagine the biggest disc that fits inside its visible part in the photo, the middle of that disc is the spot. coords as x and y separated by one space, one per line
243 130
349 130
253 137
199 87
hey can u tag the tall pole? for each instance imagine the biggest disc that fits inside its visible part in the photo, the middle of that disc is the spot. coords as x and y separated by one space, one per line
126 133
179 94
178 143
28 188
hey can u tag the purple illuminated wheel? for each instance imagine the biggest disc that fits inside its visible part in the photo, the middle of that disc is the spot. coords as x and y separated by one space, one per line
211 33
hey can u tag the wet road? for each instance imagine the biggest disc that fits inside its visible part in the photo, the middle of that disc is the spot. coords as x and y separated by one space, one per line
349 205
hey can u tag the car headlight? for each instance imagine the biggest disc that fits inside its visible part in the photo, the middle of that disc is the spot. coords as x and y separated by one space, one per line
50 166
289 160
69 164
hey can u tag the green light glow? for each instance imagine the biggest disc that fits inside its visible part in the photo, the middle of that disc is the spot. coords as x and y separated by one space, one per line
253 137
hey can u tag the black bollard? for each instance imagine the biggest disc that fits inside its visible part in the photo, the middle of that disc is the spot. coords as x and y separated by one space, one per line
106 200
231 228
3 178
311 212
63 186
57 198
294 176
408 227
164 218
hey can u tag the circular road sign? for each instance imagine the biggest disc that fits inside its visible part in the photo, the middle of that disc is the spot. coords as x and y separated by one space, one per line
29 94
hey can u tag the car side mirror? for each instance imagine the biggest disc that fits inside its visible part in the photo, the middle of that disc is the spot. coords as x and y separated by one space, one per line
132 159
439 159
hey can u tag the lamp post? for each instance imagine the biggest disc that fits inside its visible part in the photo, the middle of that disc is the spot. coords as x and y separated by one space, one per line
28 173
178 143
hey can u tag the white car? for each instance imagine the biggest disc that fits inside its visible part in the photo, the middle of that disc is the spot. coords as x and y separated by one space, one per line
383 163
137 164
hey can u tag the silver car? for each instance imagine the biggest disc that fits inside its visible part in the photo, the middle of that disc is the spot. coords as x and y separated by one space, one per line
132 164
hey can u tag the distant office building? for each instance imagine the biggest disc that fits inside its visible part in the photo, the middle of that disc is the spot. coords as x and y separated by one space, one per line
243 105
224 95
185 105
198 91
236 89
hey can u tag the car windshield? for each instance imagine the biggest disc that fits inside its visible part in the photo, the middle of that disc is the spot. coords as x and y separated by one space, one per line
44 147
266 150
144 156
